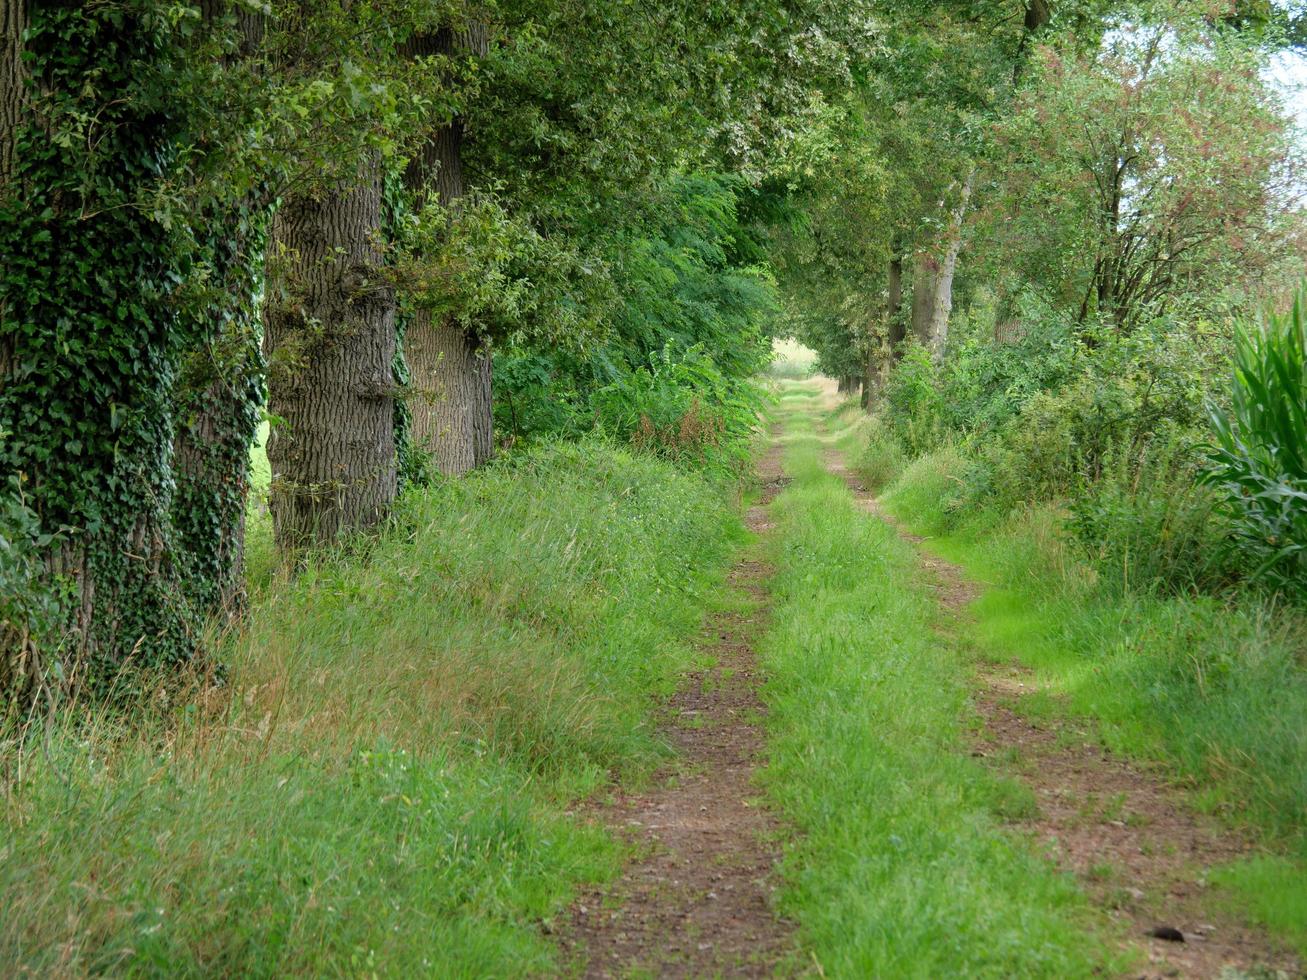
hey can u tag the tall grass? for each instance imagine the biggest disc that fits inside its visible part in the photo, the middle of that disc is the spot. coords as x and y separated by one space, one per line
381 782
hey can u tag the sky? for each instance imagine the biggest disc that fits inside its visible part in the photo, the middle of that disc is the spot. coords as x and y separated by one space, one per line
1289 70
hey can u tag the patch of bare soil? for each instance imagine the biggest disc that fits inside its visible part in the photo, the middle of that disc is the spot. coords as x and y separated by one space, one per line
698 900
1140 852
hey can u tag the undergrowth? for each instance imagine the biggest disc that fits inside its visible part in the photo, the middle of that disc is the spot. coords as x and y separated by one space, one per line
380 783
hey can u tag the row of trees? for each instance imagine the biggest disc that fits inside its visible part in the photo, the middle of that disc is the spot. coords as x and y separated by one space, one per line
389 226
1107 163
332 214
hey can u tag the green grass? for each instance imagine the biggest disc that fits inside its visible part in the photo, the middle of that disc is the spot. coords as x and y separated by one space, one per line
901 866
383 782
1213 690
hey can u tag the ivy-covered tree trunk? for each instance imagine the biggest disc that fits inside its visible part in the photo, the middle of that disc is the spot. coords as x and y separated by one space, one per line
932 281
13 19
92 339
219 393
330 341
450 368
220 387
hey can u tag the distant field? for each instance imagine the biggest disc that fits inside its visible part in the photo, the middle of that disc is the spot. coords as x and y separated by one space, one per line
792 360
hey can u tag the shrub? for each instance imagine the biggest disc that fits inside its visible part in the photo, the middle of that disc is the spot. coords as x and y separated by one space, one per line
1259 460
683 408
916 403
881 457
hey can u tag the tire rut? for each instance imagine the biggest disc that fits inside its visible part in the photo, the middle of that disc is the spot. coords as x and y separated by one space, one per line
697 901
1138 849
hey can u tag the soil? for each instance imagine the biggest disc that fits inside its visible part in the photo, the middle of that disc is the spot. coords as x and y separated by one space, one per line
698 899
1138 849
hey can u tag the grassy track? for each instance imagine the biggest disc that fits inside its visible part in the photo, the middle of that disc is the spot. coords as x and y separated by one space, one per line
901 867
1214 691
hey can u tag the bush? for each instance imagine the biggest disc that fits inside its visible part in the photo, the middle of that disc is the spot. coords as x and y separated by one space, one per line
881 457
916 401
683 408
1259 461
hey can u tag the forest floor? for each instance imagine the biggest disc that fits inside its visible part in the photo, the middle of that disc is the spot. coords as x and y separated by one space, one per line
1109 857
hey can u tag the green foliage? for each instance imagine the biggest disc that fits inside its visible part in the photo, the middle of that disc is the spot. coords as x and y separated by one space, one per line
684 408
1113 204
383 783
33 609
1259 461
93 331
681 340
1100 421
1148 523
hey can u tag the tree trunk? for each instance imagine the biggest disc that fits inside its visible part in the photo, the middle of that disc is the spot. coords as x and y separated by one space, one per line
441 363
483 407
12 20
869 363
220 387
449 367
878 371
218 396
88 417
896 331
330 342
932 282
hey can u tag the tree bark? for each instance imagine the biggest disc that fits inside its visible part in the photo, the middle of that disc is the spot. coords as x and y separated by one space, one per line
450 374
894 299
13 93
330 341
878 368
483 407
12 86
932 281
17 650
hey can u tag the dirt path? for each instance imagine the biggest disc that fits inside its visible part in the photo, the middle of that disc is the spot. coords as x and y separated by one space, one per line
1139 851
697 903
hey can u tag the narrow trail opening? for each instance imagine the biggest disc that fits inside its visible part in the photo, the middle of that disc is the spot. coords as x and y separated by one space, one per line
1138 849
697 902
